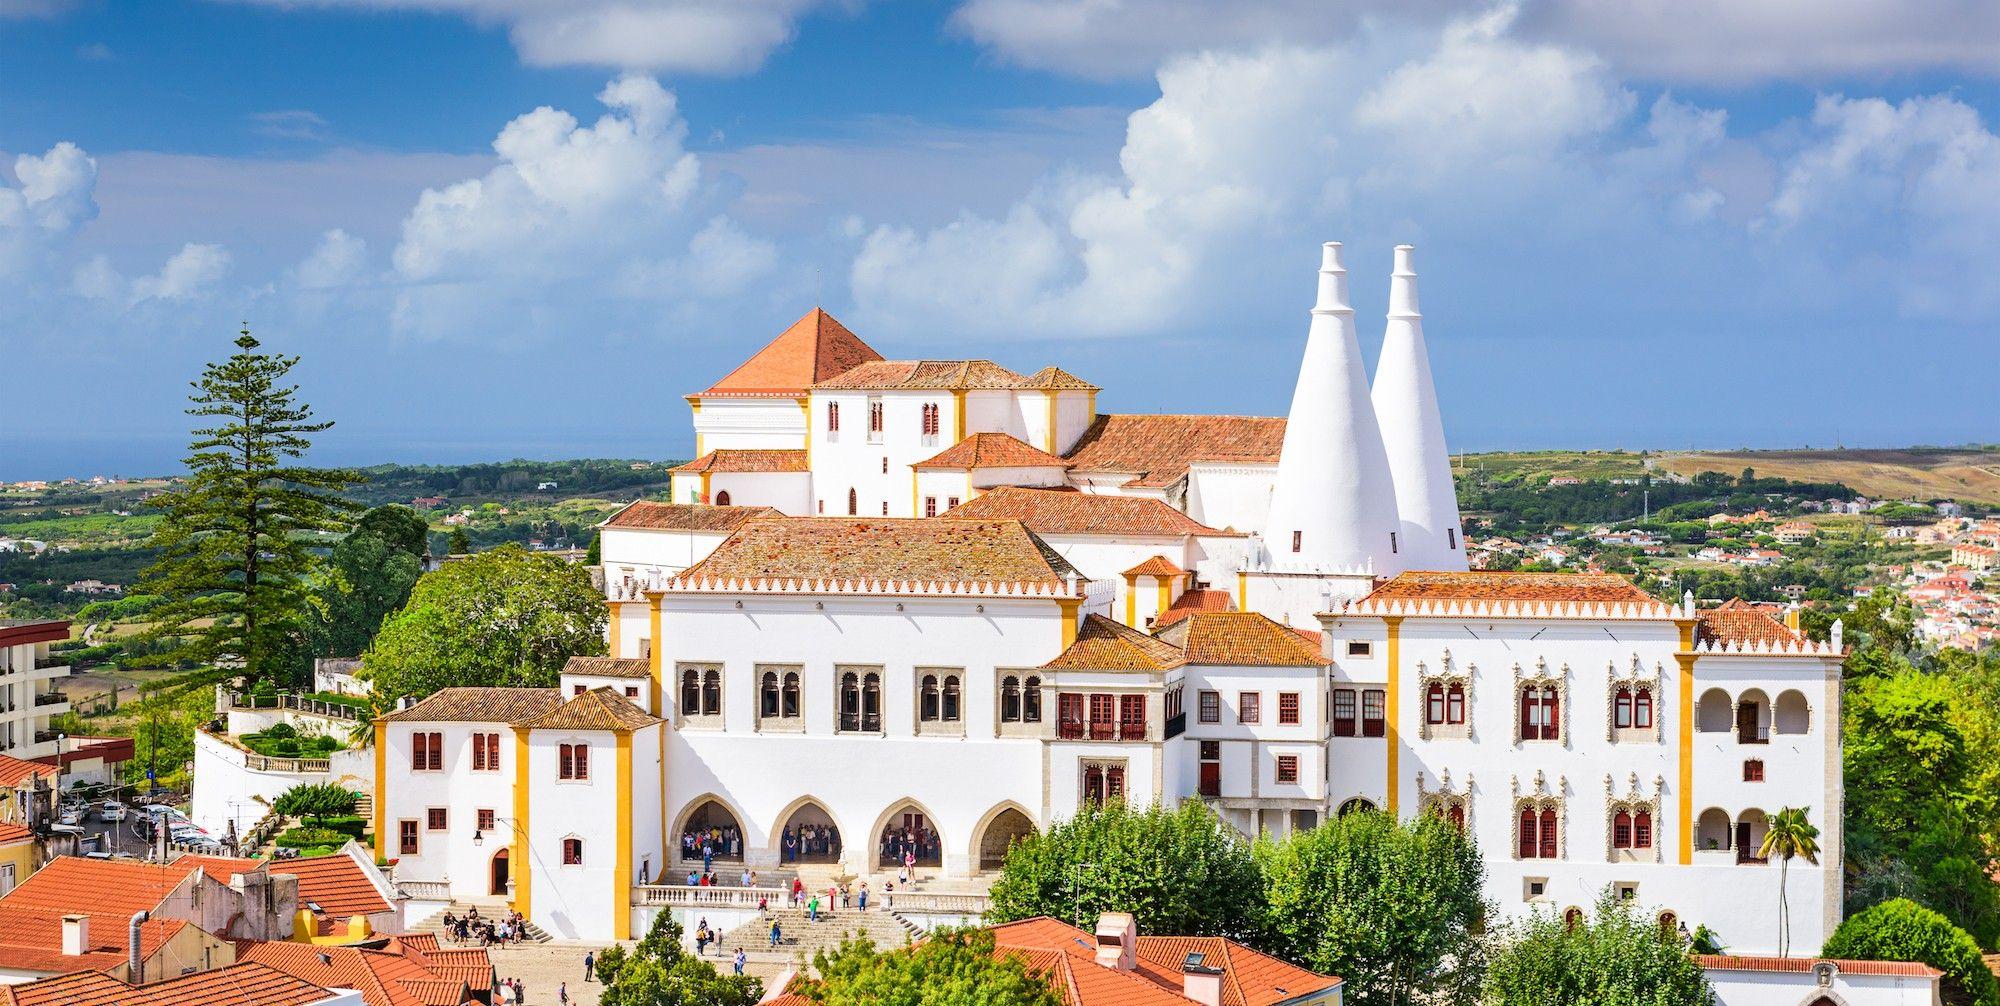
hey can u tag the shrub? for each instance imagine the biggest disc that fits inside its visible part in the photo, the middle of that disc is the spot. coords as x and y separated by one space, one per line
350 825
1902 930
284 747
306 838
277 731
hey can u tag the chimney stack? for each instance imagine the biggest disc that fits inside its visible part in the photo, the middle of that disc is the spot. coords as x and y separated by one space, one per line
76 934
1406 408
1199 982
1118 941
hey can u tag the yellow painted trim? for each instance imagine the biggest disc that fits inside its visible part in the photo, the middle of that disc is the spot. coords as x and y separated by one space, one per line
1069 614
1393 733
1131 600
1685 795
1165 585
1242 591
518 868
621 874
656 670
805 406
611 629
1050 440
381 781
958 423
694 406
705 497
968 487
915 511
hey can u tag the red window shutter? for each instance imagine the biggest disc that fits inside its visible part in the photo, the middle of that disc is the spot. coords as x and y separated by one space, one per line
1434 704
583 761
478 753
1621 830
1622 708
1642 830
565 766
1528 844
1454 710
493 752
1529 729
437 752
1551 714
1456 816
1642 715
1548 836
418 759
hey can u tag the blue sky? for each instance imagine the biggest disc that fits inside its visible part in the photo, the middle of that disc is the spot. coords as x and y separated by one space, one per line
505 227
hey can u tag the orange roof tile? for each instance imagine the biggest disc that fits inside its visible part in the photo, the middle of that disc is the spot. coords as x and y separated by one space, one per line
745 461
1066 511
1156 450
1740 962
114 887
31 938
241 984
1066 956
1240 639
1158 565
609 667
930 551
1739 621
814 348
923 375
1105 645
1057 379
652 516
14 834
1494 585
990 450
478 704
14 771
336 884
383 977
1191 601
597 709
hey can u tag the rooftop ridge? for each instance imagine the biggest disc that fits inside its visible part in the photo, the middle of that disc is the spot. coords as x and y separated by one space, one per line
1052 588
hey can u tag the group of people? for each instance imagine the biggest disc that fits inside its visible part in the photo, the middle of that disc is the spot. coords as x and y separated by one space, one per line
511 990
703 936
907 847
811 840
708 878
471 928
710 843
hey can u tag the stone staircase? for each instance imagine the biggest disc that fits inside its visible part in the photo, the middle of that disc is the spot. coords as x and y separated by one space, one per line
798 935
435 924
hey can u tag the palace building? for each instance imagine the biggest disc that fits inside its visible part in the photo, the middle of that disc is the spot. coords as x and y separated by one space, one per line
907 611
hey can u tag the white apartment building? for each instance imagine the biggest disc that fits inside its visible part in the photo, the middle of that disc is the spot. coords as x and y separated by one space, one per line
29 692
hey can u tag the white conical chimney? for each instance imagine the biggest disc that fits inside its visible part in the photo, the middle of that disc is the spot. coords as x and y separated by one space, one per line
1413 434
1334 507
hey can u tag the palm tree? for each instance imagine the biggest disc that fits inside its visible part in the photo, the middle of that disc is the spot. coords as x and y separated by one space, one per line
1790 835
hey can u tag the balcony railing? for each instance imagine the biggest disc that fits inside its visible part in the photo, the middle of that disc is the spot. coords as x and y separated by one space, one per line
424 890
302 703
1099 731
52 660
1176 724
290 766
51 699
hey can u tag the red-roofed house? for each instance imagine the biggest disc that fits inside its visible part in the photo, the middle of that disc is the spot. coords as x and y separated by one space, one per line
1758 981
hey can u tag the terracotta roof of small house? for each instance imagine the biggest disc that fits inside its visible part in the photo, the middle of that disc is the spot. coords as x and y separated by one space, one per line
116 886
21 631
31 936
397 975
1192 601
1240 639
480 705
597 709
1066 511
990 450
335 883
812 349
609 667
1067 957
744 462
1157 450
1495 585
14 771
923 375
1739 621
653 516
1105 645
240 984
1800 965
1056 379
937 550
1158 565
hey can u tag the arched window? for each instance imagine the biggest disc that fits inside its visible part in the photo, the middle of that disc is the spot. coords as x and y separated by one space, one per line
1621 830
1454 704
850 701
871 702
572 851
1572 917
1621 714
1548 829
767 695
951 697
690 692
1527 845
722 498
874 417
1434 704
1456 815
1010 699
711 692
1541 713
1537 839
1031 700
927 702
1642 830
1642 708
833 417
789 697
853 504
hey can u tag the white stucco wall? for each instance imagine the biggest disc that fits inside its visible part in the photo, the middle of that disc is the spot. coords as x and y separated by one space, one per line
449 855
1768 988
226 789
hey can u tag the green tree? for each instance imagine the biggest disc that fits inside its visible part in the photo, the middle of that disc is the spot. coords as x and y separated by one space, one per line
1902 930
1180 871
949 968
1790 836
236 538
658 972
457 543
1616 957
367 575
313 803
1390 907
503 618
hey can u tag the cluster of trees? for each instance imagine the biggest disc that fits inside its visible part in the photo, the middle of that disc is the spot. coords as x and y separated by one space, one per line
598 476
1518 507
1393 907
659 972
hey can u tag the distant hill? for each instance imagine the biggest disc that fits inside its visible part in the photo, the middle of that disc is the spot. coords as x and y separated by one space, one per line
1971 474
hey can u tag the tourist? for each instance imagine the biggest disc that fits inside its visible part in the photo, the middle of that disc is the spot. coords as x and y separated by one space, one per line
763 904
752 882
746 876
562 994
774 932
589 962
740 958
864 896
694 879
701 939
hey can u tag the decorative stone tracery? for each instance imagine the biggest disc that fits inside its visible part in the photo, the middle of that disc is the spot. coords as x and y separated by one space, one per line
1541 795
1447 798
1632 677
1538 677
1445 673
1634 800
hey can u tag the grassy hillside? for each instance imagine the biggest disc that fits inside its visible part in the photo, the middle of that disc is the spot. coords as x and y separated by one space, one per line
1971 474
1536 467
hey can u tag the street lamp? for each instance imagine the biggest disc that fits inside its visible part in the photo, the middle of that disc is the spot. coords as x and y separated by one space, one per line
477 838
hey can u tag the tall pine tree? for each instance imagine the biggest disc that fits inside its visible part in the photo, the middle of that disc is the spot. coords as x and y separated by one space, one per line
236 539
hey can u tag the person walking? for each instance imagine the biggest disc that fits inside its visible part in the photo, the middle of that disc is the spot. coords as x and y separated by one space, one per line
774 932
812 909
589 964
562 994
740 958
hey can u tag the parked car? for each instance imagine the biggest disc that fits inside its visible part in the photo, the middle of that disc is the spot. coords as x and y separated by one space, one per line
71 815
158 810
111 810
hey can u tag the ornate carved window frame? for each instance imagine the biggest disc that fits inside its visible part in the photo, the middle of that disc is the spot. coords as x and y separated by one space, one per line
1441 800
1540 677
1635 799
1447 672
1634 675
1540 796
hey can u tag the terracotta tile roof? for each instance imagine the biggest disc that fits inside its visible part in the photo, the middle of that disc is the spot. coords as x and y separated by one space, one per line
1156 450
652 516
1105 645
1240 639
436 991
242 984
597 709
480 705
930 551
609 667
383 977
31 937
1192 601
424 943
1798 965
1158 565
1057 379
336 884
923 375
745 461
1739 621
990 450
14 834
14 771
1494 585
814 348
1066 956
1065 511
114 887
17 632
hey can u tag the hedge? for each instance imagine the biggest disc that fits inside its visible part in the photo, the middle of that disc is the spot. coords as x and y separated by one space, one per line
1902 930
305 838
